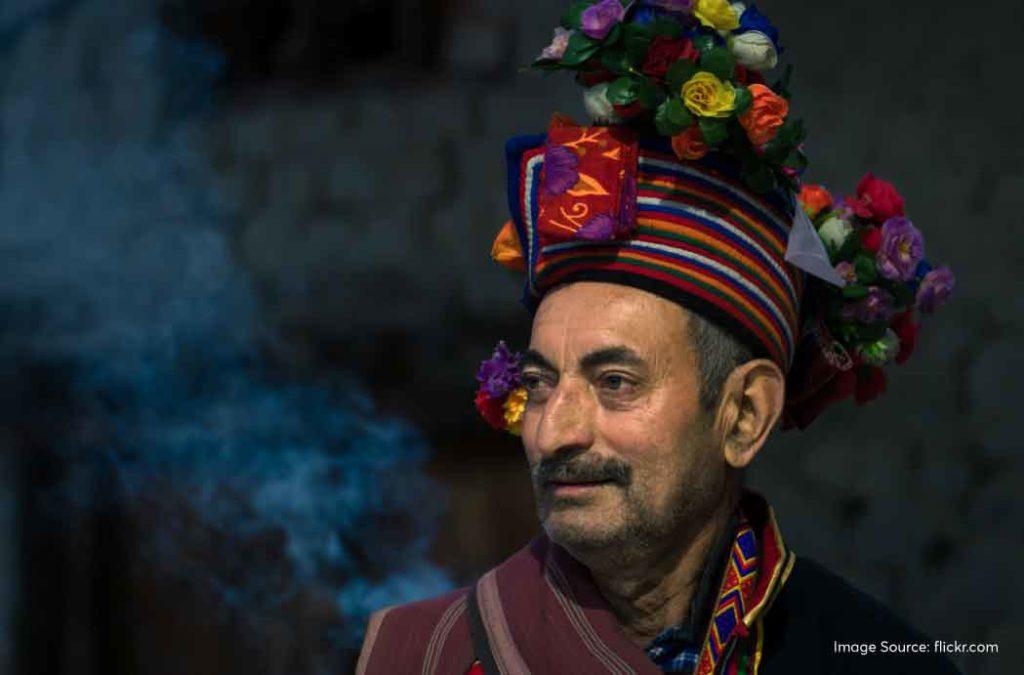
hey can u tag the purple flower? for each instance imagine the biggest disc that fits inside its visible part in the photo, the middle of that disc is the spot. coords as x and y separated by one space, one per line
559 43
598 19
847 272
873 307
935 289
499 374
560 169
901 250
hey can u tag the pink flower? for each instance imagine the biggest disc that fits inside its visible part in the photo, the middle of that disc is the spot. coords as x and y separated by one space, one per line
847 271
559 43
877 305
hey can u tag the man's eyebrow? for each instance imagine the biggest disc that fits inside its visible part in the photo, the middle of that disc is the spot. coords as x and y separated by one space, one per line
531 357
611 355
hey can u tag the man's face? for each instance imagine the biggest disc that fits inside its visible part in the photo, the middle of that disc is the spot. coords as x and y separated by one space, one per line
620 452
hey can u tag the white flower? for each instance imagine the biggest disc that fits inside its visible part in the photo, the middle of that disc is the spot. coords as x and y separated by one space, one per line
559 43
834 232
753 49
882 351
739 8
597 105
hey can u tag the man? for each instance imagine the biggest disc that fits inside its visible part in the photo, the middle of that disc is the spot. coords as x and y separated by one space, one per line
684 305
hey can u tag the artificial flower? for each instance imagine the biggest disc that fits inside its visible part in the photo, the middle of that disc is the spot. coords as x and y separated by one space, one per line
663 52
881 351
499 374
834 232
753 49
935 289
814 199
512 410
876 199
766 114
559 43
906 330
871 239
877 305
707 96
689 144
744 75
901 250
847 271
491 409
598 19
717 14
597 105
751 19
679 6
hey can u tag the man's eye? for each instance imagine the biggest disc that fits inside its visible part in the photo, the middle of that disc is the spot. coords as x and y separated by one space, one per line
533 383
617 383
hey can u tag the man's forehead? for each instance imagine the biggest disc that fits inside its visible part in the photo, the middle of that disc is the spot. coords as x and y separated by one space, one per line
584 317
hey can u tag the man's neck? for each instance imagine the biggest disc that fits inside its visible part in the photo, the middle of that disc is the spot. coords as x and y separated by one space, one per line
651 593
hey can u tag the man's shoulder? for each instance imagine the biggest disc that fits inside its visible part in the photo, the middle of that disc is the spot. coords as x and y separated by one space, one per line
819 615
402 637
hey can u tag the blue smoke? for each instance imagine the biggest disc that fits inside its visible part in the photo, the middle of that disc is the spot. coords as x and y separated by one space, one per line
119 277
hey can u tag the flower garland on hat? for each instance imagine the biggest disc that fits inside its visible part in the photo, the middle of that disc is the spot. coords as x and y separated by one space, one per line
691 69
871 321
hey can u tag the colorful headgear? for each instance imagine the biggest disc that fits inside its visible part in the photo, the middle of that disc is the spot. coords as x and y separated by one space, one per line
690 187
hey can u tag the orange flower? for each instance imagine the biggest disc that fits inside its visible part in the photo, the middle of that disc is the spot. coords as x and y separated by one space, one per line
765 115
814 199
690 144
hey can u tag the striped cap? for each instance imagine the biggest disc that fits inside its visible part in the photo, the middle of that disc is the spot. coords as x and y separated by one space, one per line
697 236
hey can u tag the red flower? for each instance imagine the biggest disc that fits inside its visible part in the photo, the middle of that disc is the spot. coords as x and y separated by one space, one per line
594 73
871 382
745 75
630 110
663 52
876 199
906 330
871 239
491 409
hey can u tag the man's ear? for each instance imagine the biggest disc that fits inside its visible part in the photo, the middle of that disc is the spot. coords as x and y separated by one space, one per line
750 405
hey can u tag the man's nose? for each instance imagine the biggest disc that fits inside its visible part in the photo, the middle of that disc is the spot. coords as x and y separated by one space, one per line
567 421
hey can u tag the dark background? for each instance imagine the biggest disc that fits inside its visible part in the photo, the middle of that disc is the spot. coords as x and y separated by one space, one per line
243 240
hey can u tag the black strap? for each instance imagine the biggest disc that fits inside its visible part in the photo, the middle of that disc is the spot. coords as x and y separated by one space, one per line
481 645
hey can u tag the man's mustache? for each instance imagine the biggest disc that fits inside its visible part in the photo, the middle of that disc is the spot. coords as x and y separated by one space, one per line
582 469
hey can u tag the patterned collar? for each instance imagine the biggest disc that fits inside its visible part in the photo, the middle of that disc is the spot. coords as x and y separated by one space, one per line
749 565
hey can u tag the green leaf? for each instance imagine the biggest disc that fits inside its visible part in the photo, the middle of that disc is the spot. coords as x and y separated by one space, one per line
616 61
849 248
759 177
704 43
743 100
649 94
714 131
664 123
678 74
795 160
613 35
781 86
864 265
579 49
666 27
902 295
571 16
854 291
677 113
719 62
622 91
636 40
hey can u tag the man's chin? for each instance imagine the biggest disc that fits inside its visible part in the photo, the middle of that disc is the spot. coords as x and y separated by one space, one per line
575 530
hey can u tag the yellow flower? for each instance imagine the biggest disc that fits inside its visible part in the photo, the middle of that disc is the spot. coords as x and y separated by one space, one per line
717 14
514 406
707 96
